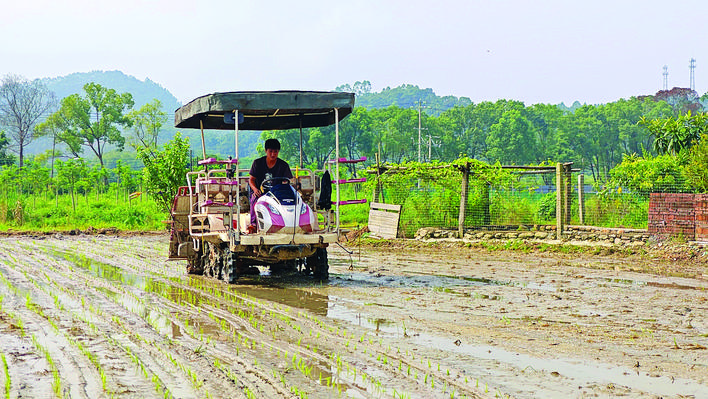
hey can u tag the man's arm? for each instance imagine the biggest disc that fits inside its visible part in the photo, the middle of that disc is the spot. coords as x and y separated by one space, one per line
252 183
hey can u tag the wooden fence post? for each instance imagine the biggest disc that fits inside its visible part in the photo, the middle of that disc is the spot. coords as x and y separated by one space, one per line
559 201
581 199
486 202
568 188
463 201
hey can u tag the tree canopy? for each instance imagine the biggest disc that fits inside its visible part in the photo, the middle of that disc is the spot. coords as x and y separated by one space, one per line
91 121
22 103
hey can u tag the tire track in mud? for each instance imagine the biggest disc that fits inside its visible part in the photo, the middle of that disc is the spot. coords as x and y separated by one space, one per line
211 339
145 327
84 329
319 331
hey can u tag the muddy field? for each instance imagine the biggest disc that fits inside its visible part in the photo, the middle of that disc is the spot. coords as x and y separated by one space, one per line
98 316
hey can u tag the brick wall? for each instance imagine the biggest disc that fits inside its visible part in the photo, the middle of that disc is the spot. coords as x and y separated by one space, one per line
701 217
674 215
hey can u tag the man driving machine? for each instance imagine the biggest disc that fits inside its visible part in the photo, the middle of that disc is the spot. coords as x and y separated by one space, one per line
262 169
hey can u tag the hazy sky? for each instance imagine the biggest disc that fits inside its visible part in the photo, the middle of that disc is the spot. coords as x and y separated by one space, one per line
594 51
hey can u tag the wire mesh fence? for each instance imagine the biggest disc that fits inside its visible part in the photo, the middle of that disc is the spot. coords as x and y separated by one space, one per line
527 198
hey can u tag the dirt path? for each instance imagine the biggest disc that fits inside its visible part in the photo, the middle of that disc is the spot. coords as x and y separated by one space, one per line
97 316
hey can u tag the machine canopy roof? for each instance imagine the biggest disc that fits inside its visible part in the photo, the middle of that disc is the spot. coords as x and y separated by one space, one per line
264 110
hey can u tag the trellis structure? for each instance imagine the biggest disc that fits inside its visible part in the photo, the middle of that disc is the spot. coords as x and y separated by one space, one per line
563 182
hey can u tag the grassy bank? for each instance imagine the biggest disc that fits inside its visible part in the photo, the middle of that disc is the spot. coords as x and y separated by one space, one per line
98 212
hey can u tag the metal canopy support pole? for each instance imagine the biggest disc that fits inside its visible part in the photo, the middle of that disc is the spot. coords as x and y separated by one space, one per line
237 235
236 135
201 127
336 149
300 141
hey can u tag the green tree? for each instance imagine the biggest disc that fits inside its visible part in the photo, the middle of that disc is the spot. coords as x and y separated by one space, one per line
127 179
468 128
358 88
440 141
97 176
147 123
578 134
36 178
165 170
5 158
400 137
10 180
606 140
70 174
452 129
318 147
22 103
91 121
672 135
404 96
511 139
649 174
697 169
355 136
626 114
545 120
481 118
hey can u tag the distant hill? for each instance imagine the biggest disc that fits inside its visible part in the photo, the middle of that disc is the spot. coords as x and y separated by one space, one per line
143 91
404 96
572 108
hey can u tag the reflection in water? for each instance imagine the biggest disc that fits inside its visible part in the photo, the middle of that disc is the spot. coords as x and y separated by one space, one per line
582 372
384 328
672 285
430 280
200 292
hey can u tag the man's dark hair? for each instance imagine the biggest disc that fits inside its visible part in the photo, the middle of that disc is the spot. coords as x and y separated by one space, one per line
272 144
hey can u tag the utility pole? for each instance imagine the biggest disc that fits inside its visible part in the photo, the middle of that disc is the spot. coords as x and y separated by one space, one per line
692 67
419 128
430 142
430 146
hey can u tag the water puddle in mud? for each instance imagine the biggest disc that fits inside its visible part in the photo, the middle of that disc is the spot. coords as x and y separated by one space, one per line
581 372
655 284
385 328
419 280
